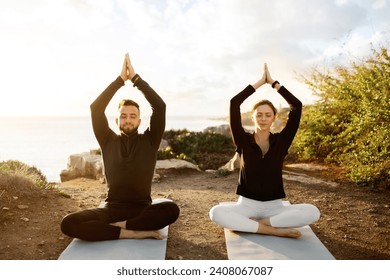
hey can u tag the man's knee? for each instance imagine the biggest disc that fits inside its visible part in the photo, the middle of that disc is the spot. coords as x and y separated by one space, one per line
170 209
174 211
67 225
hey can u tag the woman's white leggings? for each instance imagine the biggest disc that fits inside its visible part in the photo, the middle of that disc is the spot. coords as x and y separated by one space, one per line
244 214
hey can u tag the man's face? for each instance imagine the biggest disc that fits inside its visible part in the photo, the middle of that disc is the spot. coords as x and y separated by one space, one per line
129 119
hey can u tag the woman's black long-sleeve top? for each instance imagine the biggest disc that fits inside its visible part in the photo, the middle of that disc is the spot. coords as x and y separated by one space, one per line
129 160
261 175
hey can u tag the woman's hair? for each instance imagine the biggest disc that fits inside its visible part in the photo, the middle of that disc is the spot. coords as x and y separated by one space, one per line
265 102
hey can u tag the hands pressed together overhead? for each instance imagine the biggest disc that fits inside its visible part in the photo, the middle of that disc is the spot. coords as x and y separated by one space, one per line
128 73
266 79
127 69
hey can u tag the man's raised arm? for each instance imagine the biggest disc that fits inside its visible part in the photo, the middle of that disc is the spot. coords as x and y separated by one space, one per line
98 107
157 120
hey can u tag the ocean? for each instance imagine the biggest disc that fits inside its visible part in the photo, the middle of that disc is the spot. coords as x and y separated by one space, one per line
47 142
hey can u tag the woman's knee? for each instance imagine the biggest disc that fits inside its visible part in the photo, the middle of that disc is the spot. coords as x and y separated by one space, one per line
312 213
217 214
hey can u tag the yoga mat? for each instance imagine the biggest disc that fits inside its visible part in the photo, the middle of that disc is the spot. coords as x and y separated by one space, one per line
251 246
121 249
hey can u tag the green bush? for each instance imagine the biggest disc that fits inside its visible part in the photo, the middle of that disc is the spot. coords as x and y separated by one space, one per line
22 170
350 124
166 153
208 150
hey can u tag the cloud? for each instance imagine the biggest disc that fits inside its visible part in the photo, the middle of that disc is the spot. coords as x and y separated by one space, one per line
193 52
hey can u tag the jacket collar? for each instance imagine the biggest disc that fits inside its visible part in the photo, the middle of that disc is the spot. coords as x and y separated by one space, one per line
272 138
130 135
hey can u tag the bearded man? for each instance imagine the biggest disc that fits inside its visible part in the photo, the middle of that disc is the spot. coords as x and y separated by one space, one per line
129 162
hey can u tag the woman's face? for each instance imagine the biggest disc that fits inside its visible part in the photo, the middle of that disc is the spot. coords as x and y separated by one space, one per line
263 117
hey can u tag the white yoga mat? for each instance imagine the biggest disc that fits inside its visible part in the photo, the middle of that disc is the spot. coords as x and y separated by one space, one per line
250 246
121 249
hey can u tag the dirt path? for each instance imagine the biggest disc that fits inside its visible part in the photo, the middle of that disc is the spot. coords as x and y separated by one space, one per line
355 223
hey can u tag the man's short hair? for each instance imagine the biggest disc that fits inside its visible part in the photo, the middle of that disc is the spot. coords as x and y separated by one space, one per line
128 102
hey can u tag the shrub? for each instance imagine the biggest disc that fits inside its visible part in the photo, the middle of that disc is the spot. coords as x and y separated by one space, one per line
15 169
350 124
208 150
166 153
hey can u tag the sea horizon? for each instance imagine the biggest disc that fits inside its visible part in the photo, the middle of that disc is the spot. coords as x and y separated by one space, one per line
46 142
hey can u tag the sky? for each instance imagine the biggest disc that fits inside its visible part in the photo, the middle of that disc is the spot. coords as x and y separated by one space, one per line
56 57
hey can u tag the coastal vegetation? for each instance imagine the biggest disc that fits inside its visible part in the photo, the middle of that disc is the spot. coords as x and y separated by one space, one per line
18 179
206 149
350 124
14 172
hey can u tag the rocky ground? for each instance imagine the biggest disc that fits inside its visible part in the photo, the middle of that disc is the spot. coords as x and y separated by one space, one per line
355 222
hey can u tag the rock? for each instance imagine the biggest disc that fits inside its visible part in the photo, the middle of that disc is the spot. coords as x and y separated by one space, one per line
307 166
156 177
89 165
164 144
25 219
305 179
175 164
83 165
233 164
21 207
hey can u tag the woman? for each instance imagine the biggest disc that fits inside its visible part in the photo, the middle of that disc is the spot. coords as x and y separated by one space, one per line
259 208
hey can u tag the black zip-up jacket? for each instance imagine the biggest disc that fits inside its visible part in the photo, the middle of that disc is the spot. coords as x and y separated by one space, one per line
129 160
261 176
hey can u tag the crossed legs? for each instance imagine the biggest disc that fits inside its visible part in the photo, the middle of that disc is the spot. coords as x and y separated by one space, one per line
120 222
270 217
146 224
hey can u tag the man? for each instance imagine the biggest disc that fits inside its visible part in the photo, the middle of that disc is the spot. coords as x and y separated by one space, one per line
129 163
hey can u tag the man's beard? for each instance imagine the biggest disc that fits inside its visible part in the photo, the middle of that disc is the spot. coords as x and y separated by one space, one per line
128 129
